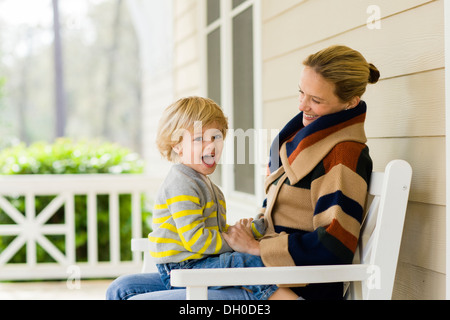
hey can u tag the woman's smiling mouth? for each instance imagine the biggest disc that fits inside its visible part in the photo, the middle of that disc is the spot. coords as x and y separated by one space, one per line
310 117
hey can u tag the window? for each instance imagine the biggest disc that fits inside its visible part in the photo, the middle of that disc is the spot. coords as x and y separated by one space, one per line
243 100
232 79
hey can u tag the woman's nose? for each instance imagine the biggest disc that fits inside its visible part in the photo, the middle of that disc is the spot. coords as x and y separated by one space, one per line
303 104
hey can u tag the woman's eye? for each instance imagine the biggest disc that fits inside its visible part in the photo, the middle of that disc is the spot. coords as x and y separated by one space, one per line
198 139
218 137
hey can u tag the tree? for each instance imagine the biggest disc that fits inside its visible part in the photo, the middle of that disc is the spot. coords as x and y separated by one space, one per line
60 99
23 95
79 69
111 74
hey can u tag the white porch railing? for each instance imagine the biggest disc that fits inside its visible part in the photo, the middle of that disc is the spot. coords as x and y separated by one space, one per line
30 228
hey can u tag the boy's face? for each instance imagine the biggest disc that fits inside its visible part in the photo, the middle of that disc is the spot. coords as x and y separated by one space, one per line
201 148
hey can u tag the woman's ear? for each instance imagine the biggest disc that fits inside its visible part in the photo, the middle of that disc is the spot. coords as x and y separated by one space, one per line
353 102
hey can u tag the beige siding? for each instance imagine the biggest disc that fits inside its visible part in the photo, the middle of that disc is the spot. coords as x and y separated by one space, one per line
187 54
406 117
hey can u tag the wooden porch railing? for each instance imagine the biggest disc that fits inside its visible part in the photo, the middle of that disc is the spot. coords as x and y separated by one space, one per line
30 228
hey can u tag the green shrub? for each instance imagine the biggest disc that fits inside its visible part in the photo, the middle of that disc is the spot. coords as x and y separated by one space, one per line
68 157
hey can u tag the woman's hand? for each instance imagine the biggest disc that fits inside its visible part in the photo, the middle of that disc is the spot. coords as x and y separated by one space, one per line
240 238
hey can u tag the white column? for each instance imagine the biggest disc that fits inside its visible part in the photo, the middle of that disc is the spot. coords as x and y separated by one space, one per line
447 133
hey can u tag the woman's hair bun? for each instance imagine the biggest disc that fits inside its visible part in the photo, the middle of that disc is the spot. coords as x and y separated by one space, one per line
374 74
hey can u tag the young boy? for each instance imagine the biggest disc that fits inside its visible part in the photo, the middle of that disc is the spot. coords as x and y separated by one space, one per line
190 210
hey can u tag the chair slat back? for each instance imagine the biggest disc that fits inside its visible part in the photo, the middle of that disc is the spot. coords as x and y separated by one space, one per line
382 229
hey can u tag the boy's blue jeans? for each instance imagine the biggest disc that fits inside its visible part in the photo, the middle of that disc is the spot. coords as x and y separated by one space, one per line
224 260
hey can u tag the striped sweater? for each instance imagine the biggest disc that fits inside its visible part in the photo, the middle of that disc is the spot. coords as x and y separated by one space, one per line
316 190
188 218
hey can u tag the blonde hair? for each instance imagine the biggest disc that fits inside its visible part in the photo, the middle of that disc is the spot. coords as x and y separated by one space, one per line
346 68
183 115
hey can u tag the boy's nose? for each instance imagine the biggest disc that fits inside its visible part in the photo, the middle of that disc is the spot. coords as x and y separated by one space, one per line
210 145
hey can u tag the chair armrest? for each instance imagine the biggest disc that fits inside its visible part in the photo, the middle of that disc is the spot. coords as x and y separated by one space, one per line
269 275
197 281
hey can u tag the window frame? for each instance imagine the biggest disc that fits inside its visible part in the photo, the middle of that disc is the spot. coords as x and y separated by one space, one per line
237 201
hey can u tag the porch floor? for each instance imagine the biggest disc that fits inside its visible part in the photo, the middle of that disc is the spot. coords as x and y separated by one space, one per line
58 290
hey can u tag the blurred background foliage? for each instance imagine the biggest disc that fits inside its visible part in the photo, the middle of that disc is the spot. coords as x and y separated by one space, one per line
100 75
68 157
100 86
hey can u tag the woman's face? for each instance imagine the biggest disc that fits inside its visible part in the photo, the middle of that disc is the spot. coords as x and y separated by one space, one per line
317 97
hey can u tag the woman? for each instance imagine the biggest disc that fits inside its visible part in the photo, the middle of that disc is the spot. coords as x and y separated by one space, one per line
316 186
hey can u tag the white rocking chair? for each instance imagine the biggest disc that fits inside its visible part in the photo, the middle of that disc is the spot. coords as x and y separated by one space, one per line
370 277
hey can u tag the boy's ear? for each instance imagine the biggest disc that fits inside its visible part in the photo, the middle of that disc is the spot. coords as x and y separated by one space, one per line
178 149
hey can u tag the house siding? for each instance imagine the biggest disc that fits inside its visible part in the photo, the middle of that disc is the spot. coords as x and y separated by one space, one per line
406 109
187 48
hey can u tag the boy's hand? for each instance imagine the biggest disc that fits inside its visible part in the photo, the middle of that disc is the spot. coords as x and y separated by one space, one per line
240 238
247 223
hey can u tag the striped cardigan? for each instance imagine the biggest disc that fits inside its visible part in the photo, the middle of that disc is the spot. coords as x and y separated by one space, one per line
188 218
316 190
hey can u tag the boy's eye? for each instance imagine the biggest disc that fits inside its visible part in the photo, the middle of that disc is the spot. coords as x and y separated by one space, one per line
198 139
218 136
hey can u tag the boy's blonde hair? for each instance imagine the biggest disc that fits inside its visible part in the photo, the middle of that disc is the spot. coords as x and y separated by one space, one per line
182 115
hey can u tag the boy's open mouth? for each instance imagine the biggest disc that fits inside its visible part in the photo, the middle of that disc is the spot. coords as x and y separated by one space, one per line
209 160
